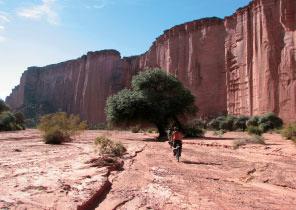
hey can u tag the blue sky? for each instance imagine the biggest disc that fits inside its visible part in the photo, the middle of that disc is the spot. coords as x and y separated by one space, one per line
41 32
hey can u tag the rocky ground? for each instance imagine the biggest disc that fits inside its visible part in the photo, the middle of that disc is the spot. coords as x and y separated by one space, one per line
211 174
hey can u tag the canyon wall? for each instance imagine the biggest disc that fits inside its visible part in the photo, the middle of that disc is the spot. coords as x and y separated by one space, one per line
78 86
260 59
244 64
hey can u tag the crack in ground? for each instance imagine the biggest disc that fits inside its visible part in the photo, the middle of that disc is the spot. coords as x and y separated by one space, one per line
102 193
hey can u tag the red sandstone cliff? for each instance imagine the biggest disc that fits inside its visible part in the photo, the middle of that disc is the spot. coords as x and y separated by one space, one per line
245 64
260 52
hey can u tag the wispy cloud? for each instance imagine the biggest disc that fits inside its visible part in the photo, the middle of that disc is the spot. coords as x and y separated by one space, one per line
97 4
45 10
4 19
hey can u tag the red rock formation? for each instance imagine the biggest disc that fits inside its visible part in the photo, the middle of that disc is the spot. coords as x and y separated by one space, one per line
78 86
194 52
260 54
244 64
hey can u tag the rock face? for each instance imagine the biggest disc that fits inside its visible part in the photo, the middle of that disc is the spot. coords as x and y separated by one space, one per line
260 52
244 64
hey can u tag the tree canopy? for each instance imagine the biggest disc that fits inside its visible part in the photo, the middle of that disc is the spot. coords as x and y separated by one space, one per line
3 106
10 121
155 97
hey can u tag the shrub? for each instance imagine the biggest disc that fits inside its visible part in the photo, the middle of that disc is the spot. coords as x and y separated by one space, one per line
19 119
219 133
240 123
270 121
289 131
254 130
60 125
266 126
151 130
109 147
193 132
254 139
3 106
8 122
253 121
223 123
135 129
218 122
194 129
228 123
55 136
214 124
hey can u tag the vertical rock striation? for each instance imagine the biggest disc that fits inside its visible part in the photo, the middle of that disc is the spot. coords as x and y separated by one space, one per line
260 58
244 64
78 86
194 53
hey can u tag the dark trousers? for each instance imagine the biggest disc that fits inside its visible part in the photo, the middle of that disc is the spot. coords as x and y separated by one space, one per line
177 143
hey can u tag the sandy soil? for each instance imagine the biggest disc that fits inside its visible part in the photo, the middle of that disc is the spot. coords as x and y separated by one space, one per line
211 174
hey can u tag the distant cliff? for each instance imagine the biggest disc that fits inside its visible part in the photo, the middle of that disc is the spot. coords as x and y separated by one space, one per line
244 64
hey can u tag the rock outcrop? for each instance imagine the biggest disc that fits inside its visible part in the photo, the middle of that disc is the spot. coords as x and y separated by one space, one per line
244 64
260 52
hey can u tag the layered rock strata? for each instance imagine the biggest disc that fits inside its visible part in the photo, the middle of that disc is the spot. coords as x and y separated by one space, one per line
244 64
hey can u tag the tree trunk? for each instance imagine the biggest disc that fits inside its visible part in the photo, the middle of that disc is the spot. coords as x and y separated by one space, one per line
162 132
178 123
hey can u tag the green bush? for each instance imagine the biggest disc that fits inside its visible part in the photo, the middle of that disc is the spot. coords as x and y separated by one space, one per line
214 124
240 123
3 106
193 132
253 121
19 118
254 130
109 147
289 131
222 123
218 123
194 129
9 122
60 125
266 126
271 121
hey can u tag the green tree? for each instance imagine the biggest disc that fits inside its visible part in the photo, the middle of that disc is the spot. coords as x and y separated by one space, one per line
3 106
155 97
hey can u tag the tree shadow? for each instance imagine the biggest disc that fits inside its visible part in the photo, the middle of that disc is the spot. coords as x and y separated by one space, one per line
200 163
212 138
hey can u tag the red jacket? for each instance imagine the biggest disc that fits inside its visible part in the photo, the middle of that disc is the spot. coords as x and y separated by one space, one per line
177 136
